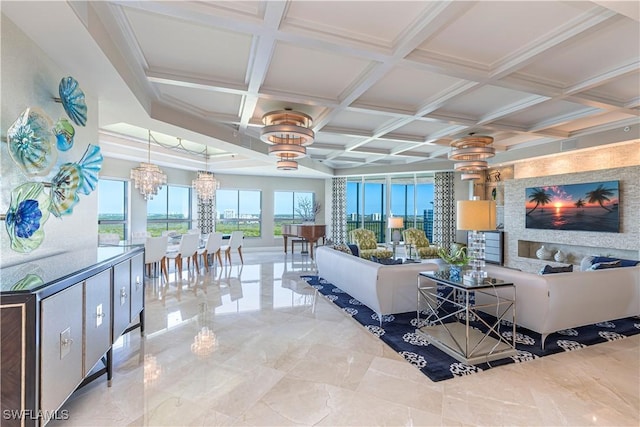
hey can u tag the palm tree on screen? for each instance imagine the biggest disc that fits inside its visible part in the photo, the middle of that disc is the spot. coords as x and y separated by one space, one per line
579 203
600 195
539 197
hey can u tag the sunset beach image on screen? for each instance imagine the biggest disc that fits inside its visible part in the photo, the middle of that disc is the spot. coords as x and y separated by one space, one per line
592 206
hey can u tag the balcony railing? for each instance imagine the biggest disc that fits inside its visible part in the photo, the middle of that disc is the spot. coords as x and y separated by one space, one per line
380 227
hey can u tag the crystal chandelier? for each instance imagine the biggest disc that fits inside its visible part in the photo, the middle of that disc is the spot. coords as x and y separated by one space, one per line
205 183
148 178
152 369
204 343
288 134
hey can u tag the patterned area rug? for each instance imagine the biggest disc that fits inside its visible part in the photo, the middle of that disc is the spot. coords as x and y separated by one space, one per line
399 332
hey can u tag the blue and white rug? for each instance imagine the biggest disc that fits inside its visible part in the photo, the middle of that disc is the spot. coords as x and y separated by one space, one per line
399 332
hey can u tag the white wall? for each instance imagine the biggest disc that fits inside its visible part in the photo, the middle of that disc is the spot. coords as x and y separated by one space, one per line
30 79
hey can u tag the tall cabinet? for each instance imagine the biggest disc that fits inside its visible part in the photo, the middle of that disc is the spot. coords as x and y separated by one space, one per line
59 318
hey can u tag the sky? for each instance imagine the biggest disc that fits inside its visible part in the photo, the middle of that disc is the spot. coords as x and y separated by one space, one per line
373 198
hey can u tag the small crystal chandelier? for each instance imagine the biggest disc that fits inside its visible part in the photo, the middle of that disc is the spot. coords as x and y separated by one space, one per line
206 183
152 369
204 343
148 178
288 134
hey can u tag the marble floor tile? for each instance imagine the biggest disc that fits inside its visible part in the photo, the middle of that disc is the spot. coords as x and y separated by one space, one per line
285 356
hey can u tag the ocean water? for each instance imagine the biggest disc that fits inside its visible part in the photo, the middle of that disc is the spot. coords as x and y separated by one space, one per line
587 219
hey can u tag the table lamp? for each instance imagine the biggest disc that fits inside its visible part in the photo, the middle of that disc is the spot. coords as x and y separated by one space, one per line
395 224
476 215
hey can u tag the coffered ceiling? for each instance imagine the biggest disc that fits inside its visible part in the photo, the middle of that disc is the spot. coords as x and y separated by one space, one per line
389 84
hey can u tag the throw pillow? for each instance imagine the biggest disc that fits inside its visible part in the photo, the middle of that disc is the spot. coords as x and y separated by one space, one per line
551 270
386 261
354 250
603 265
586 263
623 262
343 248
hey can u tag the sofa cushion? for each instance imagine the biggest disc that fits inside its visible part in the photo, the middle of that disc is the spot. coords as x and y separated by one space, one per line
603 265
547 269
623 262
386 261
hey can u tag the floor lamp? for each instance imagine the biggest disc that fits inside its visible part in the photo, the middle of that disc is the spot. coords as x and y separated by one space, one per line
395 224
476 215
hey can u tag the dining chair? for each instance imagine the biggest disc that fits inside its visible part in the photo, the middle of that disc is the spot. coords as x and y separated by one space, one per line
188 249
212 247
235 242
155 251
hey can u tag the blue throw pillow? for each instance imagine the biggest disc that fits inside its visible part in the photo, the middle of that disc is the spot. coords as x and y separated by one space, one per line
354 250
623 262
551 270
603 265
386 261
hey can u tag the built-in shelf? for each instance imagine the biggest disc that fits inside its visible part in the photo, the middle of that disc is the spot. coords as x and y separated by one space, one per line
574 253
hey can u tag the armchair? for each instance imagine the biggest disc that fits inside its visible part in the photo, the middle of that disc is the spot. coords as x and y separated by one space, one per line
367 245
416 241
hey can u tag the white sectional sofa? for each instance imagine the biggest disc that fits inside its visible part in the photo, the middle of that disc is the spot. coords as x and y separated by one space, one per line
386 289
553 302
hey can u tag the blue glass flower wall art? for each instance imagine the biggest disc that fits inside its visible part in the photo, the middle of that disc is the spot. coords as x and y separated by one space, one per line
29 142
64 132
74 178
28 211
72 98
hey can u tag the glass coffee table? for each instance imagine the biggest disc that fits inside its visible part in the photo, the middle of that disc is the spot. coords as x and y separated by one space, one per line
450 308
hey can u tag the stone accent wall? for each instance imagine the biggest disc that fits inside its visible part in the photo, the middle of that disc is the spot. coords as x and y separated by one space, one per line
521 243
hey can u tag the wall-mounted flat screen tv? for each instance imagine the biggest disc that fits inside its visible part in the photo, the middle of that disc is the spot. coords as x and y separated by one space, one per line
590 206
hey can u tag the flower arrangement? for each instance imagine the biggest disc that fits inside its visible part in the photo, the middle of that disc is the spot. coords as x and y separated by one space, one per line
458 258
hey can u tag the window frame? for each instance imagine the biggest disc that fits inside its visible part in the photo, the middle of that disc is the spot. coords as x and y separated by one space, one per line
294 218
238 220
125 220
152 227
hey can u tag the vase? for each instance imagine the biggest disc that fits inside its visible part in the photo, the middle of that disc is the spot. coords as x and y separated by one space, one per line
543 253
560 256
455 272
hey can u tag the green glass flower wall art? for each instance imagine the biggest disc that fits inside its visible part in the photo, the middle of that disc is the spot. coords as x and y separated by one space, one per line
73 179
64 132
29 142
25 218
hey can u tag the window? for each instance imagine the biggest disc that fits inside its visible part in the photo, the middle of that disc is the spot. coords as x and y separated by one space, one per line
412 199
366 205
112 207
291 207
169 210
410 196
239 210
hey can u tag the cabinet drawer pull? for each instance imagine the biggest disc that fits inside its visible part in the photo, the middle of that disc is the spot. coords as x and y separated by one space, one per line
67 341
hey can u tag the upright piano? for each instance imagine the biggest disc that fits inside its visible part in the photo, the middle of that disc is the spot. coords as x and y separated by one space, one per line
311 233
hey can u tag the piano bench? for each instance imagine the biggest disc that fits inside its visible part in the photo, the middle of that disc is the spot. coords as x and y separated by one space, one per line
303 244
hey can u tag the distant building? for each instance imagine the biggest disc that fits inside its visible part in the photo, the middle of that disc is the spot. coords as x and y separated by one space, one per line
376 216
230 213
